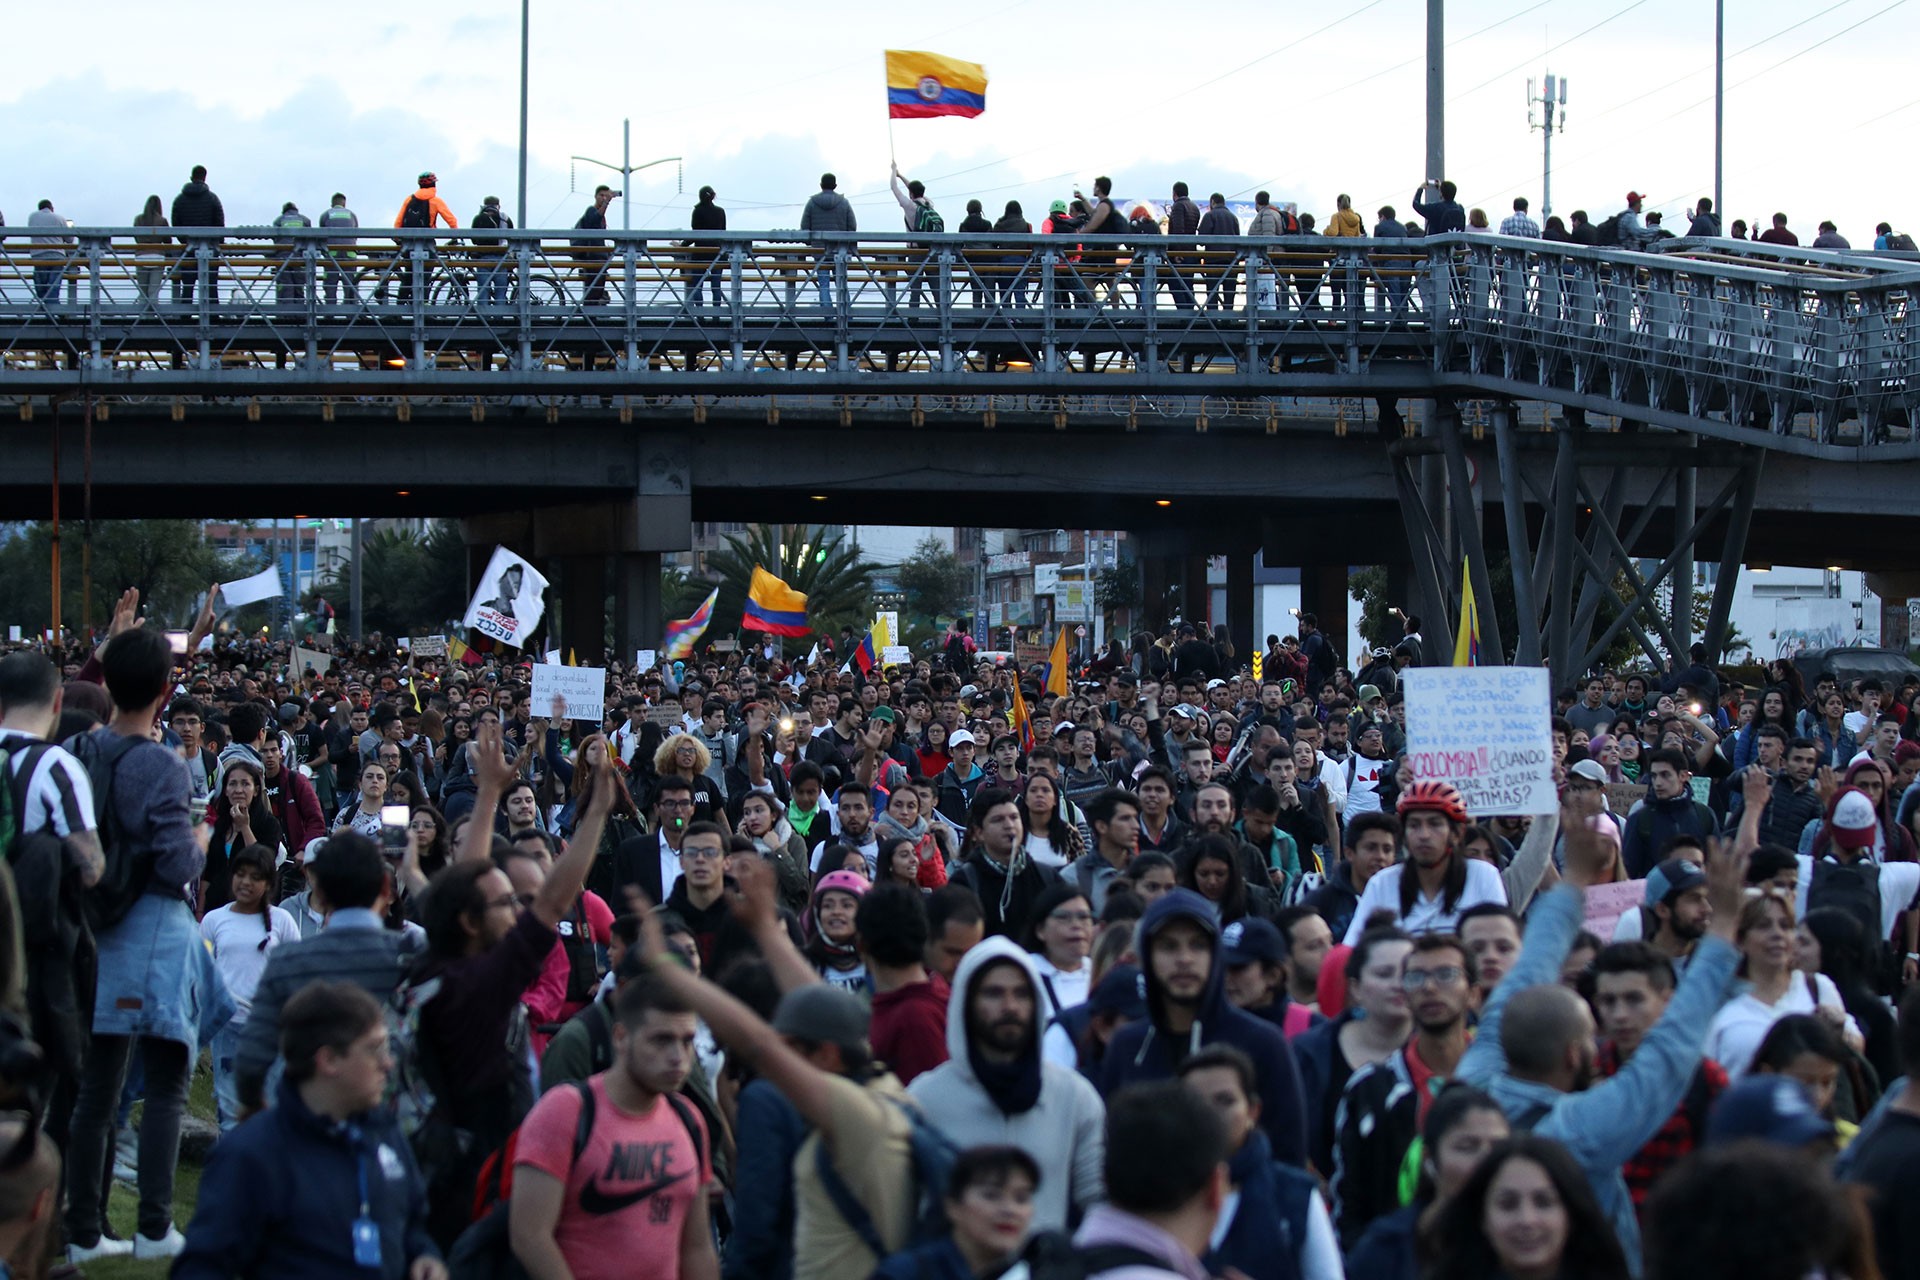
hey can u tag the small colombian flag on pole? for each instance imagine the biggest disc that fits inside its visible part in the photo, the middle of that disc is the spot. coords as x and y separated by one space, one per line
774 607
928 84
1466 645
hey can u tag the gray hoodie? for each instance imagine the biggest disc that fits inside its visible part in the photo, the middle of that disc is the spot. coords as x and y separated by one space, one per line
828 211
1064 1131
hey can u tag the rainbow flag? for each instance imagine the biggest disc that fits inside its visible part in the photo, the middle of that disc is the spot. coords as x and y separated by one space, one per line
774 607
929 84
1466 645
681 635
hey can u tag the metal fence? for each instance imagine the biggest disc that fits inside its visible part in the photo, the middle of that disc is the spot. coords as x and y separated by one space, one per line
1807 351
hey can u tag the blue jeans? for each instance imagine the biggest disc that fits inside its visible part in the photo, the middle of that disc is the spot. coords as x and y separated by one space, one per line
823 274
226 1087
46 283
494 280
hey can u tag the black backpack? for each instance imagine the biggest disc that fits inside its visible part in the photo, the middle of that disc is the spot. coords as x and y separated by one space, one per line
129 868
1607 232
489 217
418 214
58 946
1900 242
1052 1255
1855 889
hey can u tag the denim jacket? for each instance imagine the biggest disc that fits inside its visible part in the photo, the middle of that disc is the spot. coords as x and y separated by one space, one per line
157 977
1603 1126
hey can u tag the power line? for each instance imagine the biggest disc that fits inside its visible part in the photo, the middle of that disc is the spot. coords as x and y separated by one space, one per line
1207 84
1531 60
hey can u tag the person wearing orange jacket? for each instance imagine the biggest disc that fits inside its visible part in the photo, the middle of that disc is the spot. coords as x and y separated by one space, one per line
421 211
1345 222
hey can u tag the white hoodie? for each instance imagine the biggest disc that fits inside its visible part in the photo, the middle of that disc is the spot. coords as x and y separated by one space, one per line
1064 1132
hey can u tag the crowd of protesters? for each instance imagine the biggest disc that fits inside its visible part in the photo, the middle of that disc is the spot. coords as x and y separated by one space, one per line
798 970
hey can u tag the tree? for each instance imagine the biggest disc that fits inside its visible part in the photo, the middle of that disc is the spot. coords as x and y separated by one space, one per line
409 584
169 561
1117 588
809 558
934 581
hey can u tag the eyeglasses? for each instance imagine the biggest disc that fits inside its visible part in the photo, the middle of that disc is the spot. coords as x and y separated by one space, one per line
1071 917
1444 976
701 855
675 804
504 900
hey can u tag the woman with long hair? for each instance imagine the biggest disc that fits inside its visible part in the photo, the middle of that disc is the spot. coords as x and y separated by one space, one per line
1833 940
775 840
1049 839
903 820
150 260
1765 939
1211 870
1604 750
1463 1124
932 750
241 817
362 813
1806 1049
1527 1213
1773 709
592 751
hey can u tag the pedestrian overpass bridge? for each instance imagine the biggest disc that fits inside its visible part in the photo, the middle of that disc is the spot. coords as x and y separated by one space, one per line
636 381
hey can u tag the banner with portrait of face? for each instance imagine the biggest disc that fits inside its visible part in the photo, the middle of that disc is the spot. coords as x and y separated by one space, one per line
509 602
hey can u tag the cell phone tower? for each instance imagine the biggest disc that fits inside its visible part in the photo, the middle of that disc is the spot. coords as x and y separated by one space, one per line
1552 114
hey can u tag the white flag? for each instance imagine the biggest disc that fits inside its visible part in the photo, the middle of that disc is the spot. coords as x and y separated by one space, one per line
263 585
508 603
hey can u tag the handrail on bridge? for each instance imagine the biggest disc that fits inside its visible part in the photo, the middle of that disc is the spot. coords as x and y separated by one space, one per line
1800 349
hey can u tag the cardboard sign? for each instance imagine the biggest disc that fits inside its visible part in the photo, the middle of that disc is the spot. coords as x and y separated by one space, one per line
667 716
584 688
1606 903
1622 796
509 602
1485 730
304 658
428 646
896 655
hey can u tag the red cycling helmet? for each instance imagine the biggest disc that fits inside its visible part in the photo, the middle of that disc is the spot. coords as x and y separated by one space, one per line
1436 797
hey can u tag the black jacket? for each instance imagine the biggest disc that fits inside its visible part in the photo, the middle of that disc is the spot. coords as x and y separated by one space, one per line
1005 909
197 206
708 216
1183 217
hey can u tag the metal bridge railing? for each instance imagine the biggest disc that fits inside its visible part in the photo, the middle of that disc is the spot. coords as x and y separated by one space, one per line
1803 348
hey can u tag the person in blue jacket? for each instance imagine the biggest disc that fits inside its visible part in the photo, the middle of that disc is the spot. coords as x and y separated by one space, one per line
321 1185
1184 973
1279 1227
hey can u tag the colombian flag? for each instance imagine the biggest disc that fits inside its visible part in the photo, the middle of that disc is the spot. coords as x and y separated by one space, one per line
774 607
867 654
681 635
927 84
1466 645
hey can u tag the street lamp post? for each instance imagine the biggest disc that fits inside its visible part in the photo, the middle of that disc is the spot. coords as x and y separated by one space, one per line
1719 101
1436 91
626 169
524 24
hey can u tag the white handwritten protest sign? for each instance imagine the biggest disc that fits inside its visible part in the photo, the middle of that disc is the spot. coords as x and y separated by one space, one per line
645 660
584 688
428 646
1485 730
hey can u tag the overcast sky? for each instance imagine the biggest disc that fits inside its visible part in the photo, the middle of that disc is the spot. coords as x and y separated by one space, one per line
1308 100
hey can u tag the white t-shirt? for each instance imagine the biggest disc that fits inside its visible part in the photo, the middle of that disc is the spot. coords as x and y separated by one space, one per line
1069 989
1040 851
237 952
1743 1022
1428 915
1899 882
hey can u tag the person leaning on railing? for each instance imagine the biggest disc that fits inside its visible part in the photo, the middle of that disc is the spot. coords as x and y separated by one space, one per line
150 261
